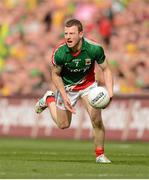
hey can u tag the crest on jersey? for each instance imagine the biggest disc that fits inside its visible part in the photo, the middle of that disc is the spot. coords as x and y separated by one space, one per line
87 61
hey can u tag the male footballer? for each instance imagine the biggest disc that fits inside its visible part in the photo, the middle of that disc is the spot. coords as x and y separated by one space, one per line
73 64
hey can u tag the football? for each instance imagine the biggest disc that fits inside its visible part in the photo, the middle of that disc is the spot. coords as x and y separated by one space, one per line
98 97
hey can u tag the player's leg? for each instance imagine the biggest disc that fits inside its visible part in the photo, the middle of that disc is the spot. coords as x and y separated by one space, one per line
98 130
60 115
96 120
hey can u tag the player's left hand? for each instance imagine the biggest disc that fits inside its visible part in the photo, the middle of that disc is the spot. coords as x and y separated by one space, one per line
108 103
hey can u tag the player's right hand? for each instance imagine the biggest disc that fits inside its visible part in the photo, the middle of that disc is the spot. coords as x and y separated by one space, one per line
68 106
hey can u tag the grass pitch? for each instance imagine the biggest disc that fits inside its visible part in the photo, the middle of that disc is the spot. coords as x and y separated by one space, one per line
69 159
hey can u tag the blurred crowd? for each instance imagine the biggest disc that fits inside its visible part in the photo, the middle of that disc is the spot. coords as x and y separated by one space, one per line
30 29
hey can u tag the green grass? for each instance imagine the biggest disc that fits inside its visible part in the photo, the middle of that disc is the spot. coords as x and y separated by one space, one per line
69 159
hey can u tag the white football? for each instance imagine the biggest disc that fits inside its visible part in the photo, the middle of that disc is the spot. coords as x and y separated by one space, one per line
98 97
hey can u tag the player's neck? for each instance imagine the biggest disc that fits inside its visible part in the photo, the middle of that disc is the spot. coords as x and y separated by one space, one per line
77 47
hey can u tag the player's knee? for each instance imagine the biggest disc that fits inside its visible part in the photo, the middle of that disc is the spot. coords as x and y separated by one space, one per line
64 125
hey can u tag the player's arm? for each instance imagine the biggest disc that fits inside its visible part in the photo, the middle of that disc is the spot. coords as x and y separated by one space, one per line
56 78
108 77
99 75
103 63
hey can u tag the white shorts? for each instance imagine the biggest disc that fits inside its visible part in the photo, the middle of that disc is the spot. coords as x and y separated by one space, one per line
73 96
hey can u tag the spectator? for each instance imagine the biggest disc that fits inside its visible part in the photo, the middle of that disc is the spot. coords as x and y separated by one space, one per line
28 29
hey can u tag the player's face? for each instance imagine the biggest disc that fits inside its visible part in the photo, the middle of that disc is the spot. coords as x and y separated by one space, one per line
72 36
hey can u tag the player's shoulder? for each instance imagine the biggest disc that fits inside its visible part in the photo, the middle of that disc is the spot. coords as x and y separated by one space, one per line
58 53
60 49
92 45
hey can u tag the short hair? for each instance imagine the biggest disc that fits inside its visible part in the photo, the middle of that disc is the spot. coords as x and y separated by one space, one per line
74 22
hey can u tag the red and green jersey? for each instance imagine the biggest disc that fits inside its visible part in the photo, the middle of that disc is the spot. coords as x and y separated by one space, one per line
78 69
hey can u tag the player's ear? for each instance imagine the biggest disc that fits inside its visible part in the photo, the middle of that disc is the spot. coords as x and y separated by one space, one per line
81 34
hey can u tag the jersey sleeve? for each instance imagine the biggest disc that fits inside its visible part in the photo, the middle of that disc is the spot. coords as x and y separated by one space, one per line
100 55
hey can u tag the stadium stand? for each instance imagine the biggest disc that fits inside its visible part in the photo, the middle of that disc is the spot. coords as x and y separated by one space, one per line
30 29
